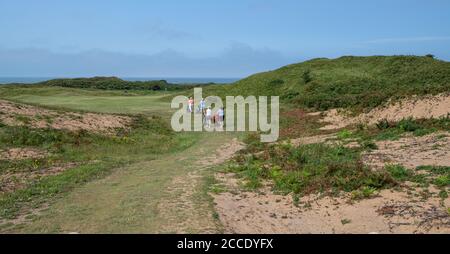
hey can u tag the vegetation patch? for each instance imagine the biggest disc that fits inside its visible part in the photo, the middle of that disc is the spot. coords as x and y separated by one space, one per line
296 123
364 193
386 130
309 169
330 168
73 158
349 82
437 175
114 83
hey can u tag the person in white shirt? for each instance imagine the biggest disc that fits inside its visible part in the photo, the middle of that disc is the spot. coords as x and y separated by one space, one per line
190 105
208 117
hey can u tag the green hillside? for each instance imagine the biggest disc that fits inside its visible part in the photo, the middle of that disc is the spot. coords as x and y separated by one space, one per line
106 83
356 82
114 83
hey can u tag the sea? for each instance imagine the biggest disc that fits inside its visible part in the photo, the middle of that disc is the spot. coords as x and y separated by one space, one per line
31 80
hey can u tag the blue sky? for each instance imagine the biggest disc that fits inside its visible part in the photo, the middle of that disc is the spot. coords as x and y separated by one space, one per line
205 38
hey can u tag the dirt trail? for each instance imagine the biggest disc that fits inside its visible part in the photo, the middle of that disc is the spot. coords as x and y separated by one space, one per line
157 196
184 188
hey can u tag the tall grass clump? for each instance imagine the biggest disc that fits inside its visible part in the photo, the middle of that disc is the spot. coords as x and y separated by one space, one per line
309 169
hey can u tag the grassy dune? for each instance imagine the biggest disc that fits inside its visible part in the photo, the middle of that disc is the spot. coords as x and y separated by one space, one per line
351 82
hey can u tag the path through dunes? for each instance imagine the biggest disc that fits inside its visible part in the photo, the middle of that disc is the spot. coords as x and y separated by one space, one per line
158 196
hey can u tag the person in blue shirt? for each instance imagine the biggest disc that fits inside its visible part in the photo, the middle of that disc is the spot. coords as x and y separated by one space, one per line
221 114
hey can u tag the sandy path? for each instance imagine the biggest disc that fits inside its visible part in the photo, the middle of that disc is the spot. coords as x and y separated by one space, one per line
185 189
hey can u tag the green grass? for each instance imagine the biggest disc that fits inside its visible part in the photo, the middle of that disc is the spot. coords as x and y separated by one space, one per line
437 175
40 192
437 170
109 83
117 182
399 172
443 194
92 100
349 82
127 199
331 168
96 155
344 134
364 193
309 169
328 169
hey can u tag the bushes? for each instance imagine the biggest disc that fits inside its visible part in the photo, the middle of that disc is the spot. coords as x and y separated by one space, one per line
311 168
306 76
276 82
253 142
399 172
326 169
440 174
383 124
344 134
23 136
408 125
109 83
419 127
155 124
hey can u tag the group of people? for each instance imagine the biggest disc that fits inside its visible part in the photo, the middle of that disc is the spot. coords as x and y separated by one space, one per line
210 118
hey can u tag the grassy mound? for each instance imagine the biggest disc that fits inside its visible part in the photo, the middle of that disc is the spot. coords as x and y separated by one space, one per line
349 82
114 83
107 83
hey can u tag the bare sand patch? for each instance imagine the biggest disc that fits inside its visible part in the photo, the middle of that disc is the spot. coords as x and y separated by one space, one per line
97 123
415 107
390 212
21 109
411 151
18 114
313 139
22 154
